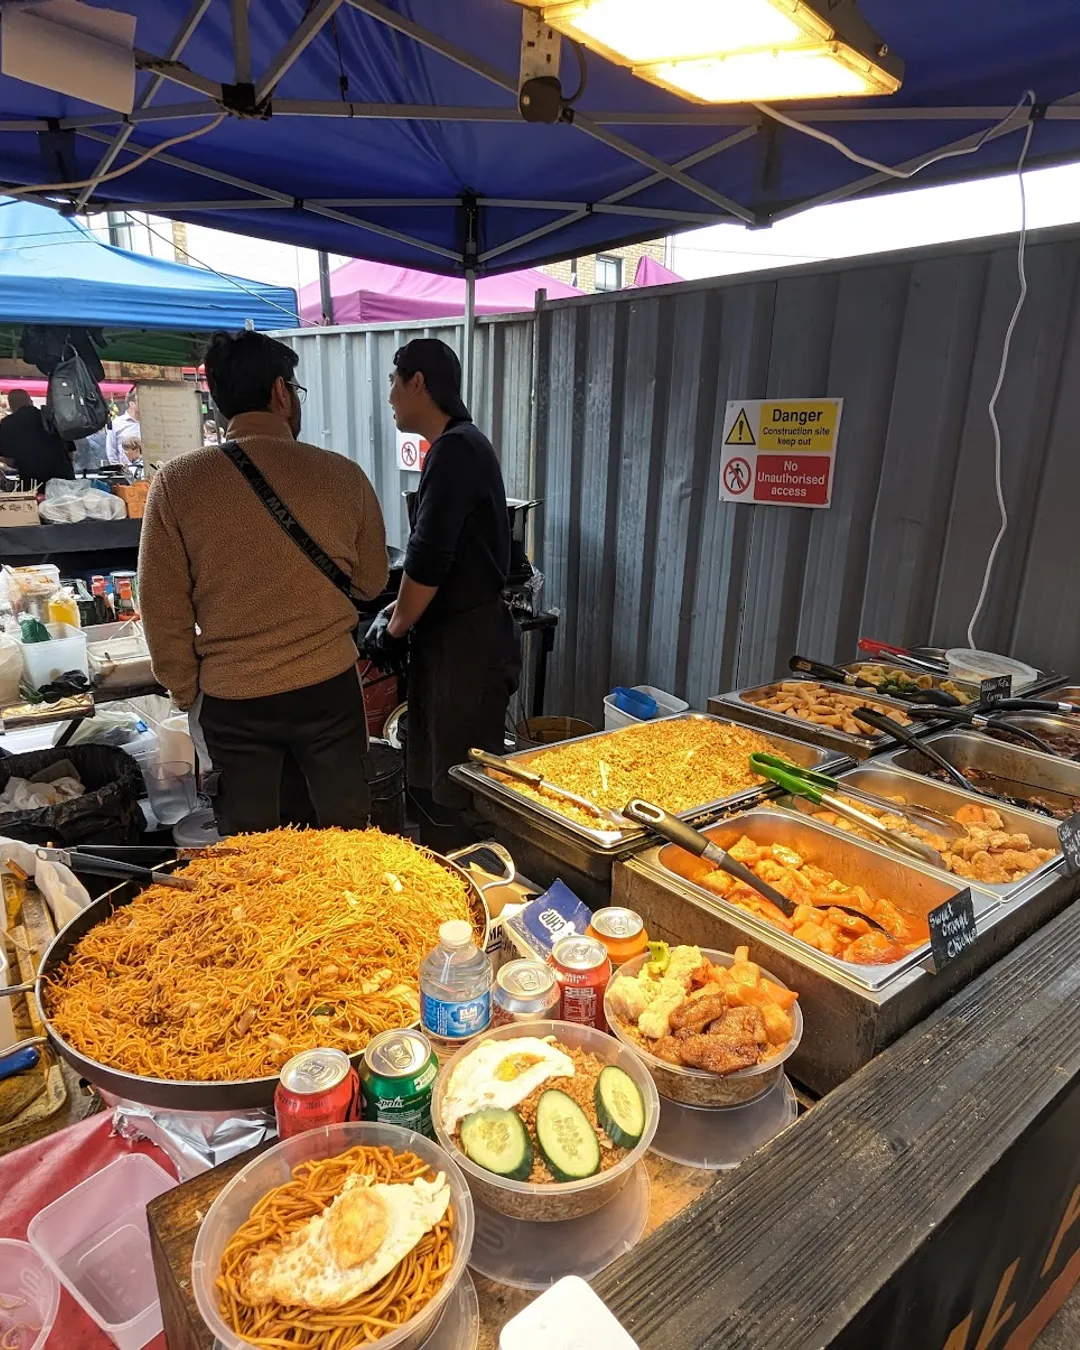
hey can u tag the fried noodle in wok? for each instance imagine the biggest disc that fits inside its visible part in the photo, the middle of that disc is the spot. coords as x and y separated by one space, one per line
293 939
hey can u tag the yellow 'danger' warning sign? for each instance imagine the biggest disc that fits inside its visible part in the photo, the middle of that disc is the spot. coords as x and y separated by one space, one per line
740 433
780 451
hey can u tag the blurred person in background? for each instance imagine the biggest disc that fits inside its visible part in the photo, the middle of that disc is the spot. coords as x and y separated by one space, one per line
243 627
121 427
33 451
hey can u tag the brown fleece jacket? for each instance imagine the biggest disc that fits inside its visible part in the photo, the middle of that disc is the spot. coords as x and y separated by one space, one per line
230 604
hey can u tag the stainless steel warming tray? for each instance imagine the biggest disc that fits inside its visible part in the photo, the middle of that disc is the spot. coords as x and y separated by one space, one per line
1008 769
743 706
887 781
612 840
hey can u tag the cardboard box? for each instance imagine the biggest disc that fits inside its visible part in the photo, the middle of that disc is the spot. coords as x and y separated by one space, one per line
133 495
19 508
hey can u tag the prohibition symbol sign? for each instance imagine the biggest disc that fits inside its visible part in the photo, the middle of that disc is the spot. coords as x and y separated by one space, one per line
737 476
409 454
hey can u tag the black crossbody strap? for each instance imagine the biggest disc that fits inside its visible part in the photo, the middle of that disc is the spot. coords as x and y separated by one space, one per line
285 518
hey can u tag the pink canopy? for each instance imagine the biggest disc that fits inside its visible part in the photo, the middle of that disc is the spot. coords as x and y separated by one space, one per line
651 273
371 292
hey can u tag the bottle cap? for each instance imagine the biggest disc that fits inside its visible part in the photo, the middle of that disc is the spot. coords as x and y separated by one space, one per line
455 933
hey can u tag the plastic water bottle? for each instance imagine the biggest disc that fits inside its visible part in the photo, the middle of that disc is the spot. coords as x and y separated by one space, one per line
455 986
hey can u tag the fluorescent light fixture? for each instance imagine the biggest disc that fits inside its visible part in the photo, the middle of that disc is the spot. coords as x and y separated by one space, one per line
734 51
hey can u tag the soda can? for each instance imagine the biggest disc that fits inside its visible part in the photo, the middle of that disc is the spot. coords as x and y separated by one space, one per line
583 969
316 1087
525 991
622 931
398 1073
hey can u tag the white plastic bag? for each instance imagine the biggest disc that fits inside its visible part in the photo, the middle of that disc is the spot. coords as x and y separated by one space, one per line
71 499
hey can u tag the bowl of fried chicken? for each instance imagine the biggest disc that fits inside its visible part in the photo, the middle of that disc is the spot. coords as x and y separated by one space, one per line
713 1028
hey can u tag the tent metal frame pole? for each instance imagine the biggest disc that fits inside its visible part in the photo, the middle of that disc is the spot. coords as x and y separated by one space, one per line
318 16
241 38
326 296
872 180
183 36
468 341
177 73
374 9
696 158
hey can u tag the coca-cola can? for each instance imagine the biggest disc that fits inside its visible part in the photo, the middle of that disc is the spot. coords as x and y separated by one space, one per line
583 969
316 1087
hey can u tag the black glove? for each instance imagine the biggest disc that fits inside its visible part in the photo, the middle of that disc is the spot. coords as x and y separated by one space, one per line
382 650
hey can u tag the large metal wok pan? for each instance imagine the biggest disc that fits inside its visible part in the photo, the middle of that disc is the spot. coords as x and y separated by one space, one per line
245 1095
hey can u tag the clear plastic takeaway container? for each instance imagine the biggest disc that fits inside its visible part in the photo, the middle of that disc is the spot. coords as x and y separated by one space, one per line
274 1168
95 1238
551 1202
25 1276
697 1087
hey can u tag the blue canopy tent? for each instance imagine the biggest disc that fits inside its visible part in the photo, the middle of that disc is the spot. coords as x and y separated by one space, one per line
390 128
55 271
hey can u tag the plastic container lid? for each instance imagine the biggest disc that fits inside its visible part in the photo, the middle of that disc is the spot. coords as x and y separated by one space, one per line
25 1275
967 663
720 1137
274 1168
533 1255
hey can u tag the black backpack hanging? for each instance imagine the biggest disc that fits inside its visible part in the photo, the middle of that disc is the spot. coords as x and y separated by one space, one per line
74 405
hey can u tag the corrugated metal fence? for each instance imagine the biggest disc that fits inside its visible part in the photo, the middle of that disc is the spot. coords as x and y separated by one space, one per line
656 580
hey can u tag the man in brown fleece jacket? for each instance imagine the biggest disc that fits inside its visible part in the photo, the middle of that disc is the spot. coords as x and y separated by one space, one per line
243 628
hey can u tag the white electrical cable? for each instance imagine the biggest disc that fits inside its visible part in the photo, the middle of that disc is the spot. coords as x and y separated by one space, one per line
992 406
118 173
933 158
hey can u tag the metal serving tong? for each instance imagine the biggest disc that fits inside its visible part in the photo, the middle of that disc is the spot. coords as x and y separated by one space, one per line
820 789
879 649
93 865
877 719
803 665
987 722
676 831
537 781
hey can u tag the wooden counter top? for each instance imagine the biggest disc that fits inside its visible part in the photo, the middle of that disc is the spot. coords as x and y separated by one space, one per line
175 1218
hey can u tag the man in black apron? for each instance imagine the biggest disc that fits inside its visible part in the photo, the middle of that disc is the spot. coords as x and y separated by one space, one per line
464 647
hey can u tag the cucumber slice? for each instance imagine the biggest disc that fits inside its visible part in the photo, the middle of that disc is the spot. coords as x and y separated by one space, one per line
498 1141
568 1143
620 1107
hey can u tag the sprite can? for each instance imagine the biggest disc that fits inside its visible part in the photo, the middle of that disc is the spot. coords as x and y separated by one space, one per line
397 1077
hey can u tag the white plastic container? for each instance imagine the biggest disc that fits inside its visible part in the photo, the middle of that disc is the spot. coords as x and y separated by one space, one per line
118 655
969 666
274 1168
96 1240
174 739
44 661
7 1017
667 705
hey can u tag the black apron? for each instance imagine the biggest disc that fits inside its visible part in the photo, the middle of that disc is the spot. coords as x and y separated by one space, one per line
463 670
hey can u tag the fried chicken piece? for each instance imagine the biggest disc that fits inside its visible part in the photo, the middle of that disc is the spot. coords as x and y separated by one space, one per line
716 1055
696 1013
667 1048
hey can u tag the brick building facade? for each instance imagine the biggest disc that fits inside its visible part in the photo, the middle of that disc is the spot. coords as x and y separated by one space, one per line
607 271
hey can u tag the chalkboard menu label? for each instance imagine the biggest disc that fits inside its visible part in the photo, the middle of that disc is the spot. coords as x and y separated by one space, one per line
1069 835
998 687
952 928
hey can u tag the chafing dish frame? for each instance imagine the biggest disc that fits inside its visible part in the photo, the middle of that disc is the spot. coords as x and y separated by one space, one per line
613 842
741 708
